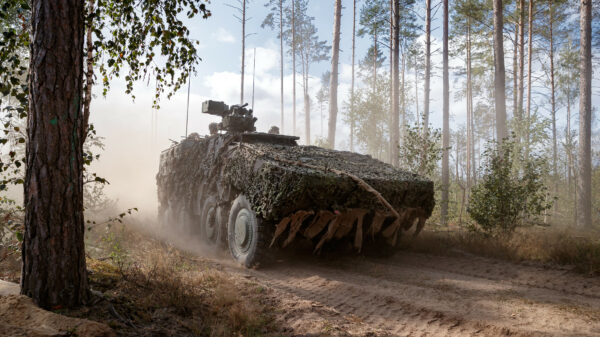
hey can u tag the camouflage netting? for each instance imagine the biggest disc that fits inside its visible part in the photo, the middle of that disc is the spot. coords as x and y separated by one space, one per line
276 185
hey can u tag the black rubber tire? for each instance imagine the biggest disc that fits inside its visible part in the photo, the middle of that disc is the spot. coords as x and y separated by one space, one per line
210 226
252 251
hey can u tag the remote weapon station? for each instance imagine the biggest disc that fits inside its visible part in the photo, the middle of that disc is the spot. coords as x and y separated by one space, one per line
252 192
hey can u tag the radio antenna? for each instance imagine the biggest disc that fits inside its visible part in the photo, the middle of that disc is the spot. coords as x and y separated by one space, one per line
253 76
187 110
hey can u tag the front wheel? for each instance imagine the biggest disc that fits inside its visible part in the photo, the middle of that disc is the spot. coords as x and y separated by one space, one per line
246 235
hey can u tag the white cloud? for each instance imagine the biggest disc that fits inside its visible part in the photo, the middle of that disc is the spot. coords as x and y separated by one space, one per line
223 35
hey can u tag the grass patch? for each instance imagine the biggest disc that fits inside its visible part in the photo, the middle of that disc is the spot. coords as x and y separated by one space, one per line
162 291
581 250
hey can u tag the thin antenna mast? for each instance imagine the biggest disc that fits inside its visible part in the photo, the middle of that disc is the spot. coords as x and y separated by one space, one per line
187 112
253 76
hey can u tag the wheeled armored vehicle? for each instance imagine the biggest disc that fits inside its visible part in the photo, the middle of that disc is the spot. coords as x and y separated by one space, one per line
252 191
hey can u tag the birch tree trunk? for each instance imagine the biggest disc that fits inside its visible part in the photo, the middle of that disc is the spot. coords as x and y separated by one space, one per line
53 254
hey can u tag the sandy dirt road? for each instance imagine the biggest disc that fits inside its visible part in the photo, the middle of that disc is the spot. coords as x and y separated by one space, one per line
422 295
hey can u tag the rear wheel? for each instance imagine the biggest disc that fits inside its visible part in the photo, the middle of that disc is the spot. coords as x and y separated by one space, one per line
246 235
210 225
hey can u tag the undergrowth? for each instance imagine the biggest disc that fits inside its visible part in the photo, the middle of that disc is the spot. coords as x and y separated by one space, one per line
581 250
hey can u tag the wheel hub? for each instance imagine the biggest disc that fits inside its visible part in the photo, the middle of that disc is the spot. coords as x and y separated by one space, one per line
243 228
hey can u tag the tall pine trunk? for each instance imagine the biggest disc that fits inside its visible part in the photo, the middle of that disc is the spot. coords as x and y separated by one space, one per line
54 272
553 104
403 98
499 74
243 50
469 95
305 67
333 83
417 90
446 122
427 67
570 171
395 125
571 162
281 57
584 174
293 67
529 72
516 66
519 115
352 126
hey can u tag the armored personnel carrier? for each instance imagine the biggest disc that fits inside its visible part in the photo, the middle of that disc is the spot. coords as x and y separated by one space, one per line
252 191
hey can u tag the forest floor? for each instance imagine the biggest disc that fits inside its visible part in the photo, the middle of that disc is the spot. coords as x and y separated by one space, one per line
153 288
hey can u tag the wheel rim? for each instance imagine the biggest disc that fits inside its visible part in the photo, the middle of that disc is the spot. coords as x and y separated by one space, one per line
243 230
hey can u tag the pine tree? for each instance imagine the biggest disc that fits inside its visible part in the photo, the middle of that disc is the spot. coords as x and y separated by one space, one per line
335 57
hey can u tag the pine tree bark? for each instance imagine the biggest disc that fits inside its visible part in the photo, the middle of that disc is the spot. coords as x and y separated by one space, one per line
89 62
395 125
54 272
333 84
500 73
584 174
446 121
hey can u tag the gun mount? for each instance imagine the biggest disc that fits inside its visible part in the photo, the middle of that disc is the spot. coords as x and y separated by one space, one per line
235 118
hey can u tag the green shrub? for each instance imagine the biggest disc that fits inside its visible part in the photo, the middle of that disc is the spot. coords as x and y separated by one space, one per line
511 191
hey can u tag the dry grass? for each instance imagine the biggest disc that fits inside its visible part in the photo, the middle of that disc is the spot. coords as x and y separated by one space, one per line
581 250
167 292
